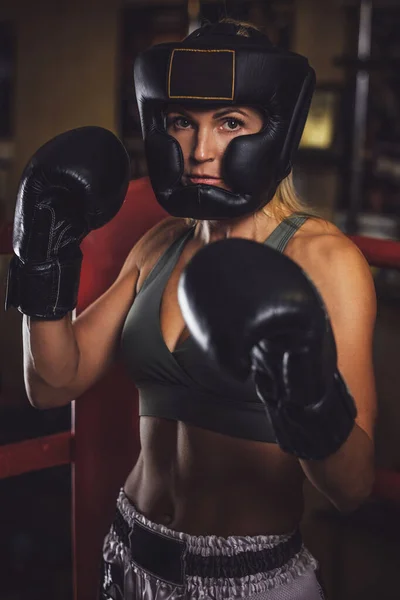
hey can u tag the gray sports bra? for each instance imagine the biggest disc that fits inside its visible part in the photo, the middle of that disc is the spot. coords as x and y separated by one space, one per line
184 385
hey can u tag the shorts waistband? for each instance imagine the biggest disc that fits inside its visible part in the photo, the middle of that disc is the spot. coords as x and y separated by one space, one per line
173 555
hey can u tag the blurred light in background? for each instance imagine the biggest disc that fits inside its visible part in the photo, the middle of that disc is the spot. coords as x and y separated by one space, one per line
193 15
319 129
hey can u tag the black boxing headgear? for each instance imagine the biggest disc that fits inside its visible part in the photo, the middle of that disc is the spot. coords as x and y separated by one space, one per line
215 66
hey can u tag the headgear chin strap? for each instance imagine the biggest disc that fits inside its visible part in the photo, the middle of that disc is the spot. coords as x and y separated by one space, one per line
215 66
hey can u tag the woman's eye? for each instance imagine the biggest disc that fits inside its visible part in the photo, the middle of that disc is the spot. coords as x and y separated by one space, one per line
233 124
181 122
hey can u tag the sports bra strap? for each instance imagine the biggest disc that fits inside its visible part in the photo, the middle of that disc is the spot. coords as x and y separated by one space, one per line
169 257
281 235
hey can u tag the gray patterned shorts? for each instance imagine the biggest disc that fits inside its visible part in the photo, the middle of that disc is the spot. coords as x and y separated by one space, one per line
144 560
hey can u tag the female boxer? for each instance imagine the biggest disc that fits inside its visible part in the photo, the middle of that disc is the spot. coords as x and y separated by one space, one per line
274 385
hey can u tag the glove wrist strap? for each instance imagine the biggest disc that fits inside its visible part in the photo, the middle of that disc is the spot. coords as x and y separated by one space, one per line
316 431
44 291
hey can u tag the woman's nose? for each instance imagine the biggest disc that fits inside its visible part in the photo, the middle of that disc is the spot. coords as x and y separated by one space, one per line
204 147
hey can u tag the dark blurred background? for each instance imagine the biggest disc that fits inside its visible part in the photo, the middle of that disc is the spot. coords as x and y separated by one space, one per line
68 63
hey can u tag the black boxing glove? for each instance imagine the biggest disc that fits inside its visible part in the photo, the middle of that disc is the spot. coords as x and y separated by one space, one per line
74 183
253 310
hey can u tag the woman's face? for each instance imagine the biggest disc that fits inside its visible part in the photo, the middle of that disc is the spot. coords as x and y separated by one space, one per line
204 134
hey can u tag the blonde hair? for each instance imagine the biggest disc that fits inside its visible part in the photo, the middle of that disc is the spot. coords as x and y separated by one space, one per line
243 26
286 200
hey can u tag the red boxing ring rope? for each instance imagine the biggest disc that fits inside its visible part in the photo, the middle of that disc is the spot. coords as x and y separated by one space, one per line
379 253
104 439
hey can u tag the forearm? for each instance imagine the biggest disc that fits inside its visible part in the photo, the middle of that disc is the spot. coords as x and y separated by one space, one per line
346 477
50 350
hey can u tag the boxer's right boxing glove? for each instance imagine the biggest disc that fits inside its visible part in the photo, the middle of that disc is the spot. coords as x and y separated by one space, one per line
73 184
254 311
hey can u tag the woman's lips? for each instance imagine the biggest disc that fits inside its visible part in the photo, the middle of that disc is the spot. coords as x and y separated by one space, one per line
204 180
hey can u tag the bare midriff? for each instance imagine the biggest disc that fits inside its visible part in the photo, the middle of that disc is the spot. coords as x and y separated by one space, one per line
205 483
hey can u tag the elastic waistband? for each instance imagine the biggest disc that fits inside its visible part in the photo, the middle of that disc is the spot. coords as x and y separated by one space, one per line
173 555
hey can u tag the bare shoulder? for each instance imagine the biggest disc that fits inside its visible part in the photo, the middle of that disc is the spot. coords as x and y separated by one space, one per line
319 244
333 262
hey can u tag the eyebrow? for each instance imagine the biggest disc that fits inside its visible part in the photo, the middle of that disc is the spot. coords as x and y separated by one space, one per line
226 111
219 113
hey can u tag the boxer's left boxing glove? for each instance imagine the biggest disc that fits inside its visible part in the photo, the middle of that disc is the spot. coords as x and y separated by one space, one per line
254 311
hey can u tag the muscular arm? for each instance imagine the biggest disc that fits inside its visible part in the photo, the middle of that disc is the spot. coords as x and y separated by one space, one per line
347 288
64 359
